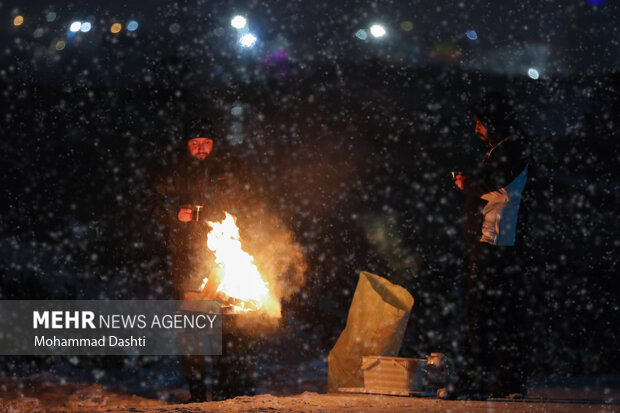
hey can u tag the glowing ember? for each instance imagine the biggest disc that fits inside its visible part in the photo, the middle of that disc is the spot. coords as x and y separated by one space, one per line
238 276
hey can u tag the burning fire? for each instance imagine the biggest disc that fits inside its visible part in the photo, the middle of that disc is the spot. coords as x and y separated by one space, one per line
236 275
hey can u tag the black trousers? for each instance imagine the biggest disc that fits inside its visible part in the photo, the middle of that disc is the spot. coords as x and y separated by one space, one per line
191 260
231 374
190 263
497 329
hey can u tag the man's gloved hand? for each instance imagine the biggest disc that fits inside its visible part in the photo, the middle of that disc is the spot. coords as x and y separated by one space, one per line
186 213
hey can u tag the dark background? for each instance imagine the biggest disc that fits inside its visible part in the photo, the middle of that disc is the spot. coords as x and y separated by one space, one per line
351 142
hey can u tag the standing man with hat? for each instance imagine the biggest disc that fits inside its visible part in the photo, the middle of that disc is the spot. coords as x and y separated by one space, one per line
193 191
495 359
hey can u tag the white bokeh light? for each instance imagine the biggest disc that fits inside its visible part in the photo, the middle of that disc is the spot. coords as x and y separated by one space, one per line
75 26
85 27
247 40
377 30
238 22
533 73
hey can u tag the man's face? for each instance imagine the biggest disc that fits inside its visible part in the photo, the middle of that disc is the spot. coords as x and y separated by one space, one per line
481 131
200 148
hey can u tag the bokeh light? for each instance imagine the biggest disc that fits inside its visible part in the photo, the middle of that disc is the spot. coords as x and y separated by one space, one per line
60 45
533 73
247 40
132 26
86 26
75 26
18 20
377 30
236 110
174 28
471 34
361 34
116 28
238 22
50 17
406 25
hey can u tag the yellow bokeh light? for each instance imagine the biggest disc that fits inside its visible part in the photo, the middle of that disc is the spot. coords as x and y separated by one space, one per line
18 20
116 27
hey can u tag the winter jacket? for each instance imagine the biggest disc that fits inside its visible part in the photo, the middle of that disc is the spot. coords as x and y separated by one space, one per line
191 182
496 188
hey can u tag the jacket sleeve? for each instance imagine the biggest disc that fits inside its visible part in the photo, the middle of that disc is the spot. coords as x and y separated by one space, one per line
162 202
500 168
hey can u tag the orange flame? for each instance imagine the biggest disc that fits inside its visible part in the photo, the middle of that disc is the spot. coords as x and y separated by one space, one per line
239 276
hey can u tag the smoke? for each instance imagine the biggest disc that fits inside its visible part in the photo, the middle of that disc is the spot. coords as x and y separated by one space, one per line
278 257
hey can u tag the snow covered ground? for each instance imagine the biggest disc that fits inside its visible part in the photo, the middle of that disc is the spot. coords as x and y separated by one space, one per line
46 394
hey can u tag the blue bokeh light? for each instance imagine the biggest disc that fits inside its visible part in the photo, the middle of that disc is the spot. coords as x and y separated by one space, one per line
533 73
471 35
361 34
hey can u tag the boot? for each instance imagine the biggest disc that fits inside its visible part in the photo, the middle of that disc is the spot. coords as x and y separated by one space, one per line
198 392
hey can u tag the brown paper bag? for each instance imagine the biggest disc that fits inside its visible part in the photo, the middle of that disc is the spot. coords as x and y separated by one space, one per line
375 327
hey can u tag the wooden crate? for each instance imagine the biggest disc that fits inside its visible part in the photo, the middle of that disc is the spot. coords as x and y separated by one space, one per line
393 374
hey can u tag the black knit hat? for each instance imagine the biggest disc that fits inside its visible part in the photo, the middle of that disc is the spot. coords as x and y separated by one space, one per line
497 113
199 128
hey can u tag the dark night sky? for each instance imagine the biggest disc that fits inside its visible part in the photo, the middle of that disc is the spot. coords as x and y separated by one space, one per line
572 36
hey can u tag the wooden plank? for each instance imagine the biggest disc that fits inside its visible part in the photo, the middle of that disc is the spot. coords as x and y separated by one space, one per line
387 392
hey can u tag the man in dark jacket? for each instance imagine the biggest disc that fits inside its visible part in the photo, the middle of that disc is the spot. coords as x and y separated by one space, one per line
195 189
496 287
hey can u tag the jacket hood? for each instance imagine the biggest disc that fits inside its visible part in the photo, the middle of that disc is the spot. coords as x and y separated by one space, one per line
497 113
